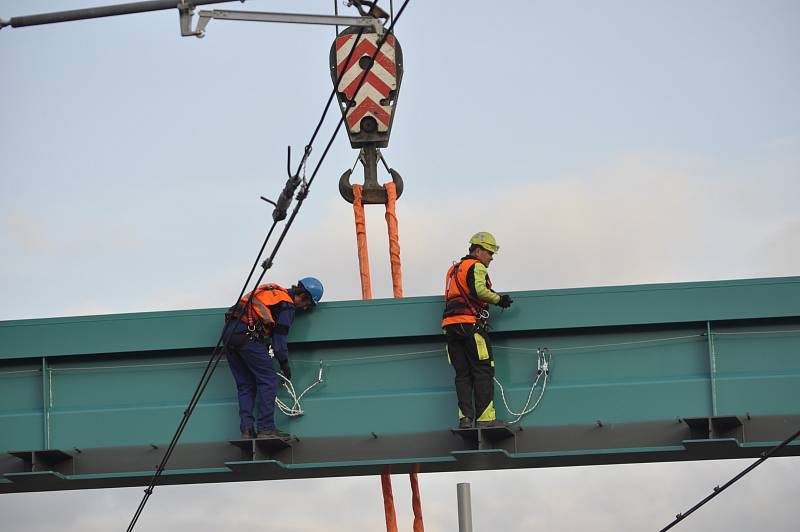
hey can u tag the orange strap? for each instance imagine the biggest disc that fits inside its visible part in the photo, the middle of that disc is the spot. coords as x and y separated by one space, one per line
361 240
416 505
366 293
388 500
394 239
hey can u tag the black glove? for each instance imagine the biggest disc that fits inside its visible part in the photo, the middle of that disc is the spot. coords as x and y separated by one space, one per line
287 371
505 301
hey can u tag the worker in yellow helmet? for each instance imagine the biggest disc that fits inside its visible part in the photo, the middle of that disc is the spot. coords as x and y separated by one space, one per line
468 294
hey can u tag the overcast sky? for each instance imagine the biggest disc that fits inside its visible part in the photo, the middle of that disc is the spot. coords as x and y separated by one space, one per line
601 142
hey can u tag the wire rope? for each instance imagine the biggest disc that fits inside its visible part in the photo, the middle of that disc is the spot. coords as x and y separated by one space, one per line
544 360
717 489
301 196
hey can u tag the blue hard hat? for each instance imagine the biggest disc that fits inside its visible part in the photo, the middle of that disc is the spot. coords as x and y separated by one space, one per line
313 286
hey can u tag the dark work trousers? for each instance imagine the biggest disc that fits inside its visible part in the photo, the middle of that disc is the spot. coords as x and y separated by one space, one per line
254 373
470 354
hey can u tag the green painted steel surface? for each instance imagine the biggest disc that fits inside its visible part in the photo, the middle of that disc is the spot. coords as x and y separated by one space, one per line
414 317
621 355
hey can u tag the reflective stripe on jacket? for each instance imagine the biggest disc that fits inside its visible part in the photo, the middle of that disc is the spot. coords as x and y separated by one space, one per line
460 303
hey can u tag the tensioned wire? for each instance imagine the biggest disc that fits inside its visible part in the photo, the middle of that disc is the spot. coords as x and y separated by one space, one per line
717 489
301 196
410 353
296 408
545 357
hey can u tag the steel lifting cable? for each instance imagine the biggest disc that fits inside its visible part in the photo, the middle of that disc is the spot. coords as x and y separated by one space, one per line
304 192
717 489
217 353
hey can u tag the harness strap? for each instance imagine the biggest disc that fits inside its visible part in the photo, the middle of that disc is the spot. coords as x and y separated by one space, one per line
468 299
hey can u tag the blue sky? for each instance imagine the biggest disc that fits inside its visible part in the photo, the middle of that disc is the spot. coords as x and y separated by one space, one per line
603 143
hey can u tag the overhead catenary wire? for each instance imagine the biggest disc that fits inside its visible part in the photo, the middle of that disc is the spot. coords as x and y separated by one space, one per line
301 196
717 489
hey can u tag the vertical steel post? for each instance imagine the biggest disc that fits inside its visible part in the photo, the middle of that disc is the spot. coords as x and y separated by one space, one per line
712 368
464 507
46 403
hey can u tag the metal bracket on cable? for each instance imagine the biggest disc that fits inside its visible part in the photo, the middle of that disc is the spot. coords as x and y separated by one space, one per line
204 17
285 198
185 13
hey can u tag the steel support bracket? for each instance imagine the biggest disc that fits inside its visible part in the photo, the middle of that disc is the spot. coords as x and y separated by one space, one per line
716 427
204 17
185 13
256 449
53 460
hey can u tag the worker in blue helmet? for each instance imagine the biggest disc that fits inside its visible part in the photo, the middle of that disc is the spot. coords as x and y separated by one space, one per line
261 319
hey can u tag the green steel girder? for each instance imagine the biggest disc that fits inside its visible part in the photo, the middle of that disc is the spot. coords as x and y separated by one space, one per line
640 373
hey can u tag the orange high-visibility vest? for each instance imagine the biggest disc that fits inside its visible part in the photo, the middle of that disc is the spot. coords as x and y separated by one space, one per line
260 311
459 305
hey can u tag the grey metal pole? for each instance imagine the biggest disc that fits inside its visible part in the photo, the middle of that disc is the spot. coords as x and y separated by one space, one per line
102 11
464 507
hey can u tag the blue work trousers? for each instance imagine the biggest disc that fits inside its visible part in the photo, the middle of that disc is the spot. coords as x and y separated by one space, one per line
255 376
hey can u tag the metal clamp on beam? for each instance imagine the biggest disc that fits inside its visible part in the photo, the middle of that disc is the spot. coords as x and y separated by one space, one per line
257 16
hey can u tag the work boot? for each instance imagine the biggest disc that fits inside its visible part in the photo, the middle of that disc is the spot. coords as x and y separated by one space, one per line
465 423
492 424
249 434
273 433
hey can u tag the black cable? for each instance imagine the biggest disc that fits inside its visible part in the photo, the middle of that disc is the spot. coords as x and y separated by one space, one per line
205 378
307 150
717 490
103 11
217 352
304 192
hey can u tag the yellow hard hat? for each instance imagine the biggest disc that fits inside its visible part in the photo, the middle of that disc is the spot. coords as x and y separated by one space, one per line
486 241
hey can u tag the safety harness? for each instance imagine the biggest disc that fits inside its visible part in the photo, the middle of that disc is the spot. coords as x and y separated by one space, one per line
481 314
259 325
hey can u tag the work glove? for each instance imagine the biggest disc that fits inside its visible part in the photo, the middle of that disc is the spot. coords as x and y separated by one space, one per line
286 370
505 301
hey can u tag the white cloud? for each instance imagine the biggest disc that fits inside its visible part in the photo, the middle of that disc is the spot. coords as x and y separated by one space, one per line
641 218
599 498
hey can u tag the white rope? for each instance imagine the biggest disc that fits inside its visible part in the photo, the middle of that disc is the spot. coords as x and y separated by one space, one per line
296 409
543 369
787 331
338 360
597 346
134 366
20 371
